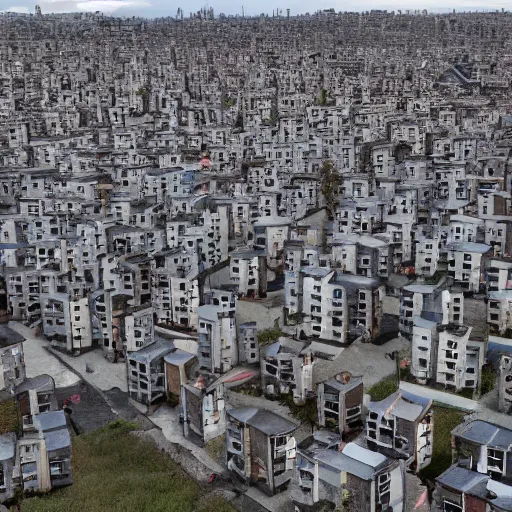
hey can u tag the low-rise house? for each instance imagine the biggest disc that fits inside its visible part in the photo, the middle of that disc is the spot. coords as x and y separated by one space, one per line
465 264
505 384
459 489
260 448
424 349
248 343
484 448
248 270
340 402
12 363
35 396
346 475
460 357
287 367
45 455
178 367
8 470
481 477
203 401
146 373
448 354
434 302
217 349
427 257
337 307
401 426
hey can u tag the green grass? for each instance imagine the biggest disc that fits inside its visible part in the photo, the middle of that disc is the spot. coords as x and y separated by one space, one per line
8 416
117 472
445 420
383 388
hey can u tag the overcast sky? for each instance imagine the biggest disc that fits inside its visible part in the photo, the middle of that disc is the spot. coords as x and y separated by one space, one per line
154 8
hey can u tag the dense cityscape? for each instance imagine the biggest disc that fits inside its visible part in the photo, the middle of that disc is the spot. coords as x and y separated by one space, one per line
276 249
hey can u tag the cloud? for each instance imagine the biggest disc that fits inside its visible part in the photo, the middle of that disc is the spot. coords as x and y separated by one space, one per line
109 6
17 8
106 6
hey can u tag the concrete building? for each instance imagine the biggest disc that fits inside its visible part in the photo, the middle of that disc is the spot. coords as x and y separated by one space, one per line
402 426
345 474
261 449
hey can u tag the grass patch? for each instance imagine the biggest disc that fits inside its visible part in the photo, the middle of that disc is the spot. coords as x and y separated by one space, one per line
269 336
445 420
383 388
488 379
8 416
115 471
216 448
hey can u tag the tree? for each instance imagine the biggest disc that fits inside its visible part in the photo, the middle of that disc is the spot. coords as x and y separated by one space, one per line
330 184
322 99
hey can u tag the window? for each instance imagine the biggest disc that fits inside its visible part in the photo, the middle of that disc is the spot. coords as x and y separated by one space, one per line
280 441
384 489
422 363
56 467
44 402
449 506
495 460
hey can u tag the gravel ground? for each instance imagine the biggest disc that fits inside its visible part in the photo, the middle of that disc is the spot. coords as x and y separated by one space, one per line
39 361
91 412
265 312
105 376
364 359
167 418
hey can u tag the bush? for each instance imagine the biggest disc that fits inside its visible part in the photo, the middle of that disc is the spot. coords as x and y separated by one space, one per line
384 388
488 380
467 393
269 336
305 413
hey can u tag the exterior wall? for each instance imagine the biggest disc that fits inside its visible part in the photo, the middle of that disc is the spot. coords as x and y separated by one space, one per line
80 320
361 494
424 353
194 411
248 343
12 366
505 385
464 267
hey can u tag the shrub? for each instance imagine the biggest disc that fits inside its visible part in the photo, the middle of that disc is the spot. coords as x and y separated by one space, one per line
269 336
488 380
